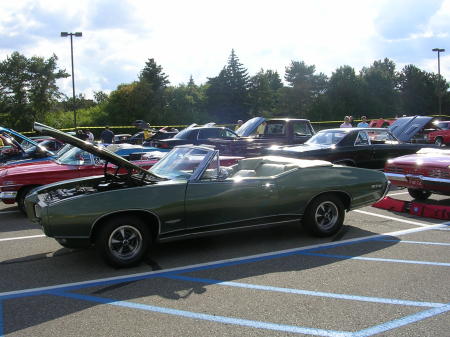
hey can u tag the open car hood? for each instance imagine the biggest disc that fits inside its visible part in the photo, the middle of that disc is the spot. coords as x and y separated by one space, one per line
88 147
250 126
22 137
405 128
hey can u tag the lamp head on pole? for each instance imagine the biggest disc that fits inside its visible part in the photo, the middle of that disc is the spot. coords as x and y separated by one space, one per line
64 34
439 50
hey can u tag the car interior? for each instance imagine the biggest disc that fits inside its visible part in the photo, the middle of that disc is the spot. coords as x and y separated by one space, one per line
261 167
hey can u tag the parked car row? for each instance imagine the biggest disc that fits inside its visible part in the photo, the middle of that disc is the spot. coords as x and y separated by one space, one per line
208 179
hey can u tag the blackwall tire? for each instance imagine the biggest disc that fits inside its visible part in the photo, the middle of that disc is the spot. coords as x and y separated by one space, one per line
419 194
123 241
324 216
21 195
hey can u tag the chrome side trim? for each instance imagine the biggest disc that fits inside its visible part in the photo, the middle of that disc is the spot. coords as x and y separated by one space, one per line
227 229
436 180
1 186
253 219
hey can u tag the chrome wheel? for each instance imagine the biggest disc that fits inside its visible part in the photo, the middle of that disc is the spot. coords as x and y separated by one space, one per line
326 215
438 141
125 242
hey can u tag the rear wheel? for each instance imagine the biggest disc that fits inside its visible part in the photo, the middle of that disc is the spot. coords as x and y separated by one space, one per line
419 194
123 241
324 216
439 141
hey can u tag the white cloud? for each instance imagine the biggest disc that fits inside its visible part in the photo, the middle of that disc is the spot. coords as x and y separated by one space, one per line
196 37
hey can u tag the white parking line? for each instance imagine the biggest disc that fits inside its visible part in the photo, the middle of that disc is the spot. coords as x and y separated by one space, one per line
126 278
23 237
415 223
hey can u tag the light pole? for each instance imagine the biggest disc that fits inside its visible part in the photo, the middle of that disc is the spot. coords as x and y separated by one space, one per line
439 51
78 34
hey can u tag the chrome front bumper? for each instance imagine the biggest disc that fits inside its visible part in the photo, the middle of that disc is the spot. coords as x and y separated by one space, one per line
395 177
8 195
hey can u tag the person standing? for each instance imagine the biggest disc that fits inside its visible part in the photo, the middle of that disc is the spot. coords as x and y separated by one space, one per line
350 118
90 136
261 129
363 123
346 123
81 135
107 136
239 123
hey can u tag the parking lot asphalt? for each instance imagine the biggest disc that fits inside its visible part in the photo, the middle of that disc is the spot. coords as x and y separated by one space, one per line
383 274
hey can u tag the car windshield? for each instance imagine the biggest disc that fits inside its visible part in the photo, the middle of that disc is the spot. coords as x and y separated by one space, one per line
63 150
180 163
327 137
443 125
26 144
183 134
76 156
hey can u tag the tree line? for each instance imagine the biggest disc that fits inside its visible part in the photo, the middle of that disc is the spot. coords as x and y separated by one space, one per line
28 92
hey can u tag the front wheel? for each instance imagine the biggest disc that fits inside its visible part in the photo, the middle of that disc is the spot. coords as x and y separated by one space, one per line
123 241
419 194
438 141
324 216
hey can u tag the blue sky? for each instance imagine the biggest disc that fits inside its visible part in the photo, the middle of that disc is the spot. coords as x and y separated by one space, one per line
196 37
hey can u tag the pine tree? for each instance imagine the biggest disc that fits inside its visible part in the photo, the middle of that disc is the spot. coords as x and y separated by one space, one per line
228 93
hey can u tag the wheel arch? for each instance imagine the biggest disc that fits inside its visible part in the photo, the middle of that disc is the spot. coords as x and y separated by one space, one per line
25 188
343 196
150 219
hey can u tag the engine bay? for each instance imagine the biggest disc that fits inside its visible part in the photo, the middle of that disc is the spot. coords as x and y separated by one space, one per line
108 183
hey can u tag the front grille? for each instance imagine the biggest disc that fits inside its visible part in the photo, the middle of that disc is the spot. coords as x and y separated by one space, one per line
439 173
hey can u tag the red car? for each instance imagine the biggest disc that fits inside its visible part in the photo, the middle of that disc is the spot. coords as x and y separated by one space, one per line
18 180
381 123
441 136
422 173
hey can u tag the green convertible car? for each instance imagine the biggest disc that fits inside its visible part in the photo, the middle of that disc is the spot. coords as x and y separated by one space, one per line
189 193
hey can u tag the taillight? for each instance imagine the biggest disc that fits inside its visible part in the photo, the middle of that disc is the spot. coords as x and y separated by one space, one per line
164 145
